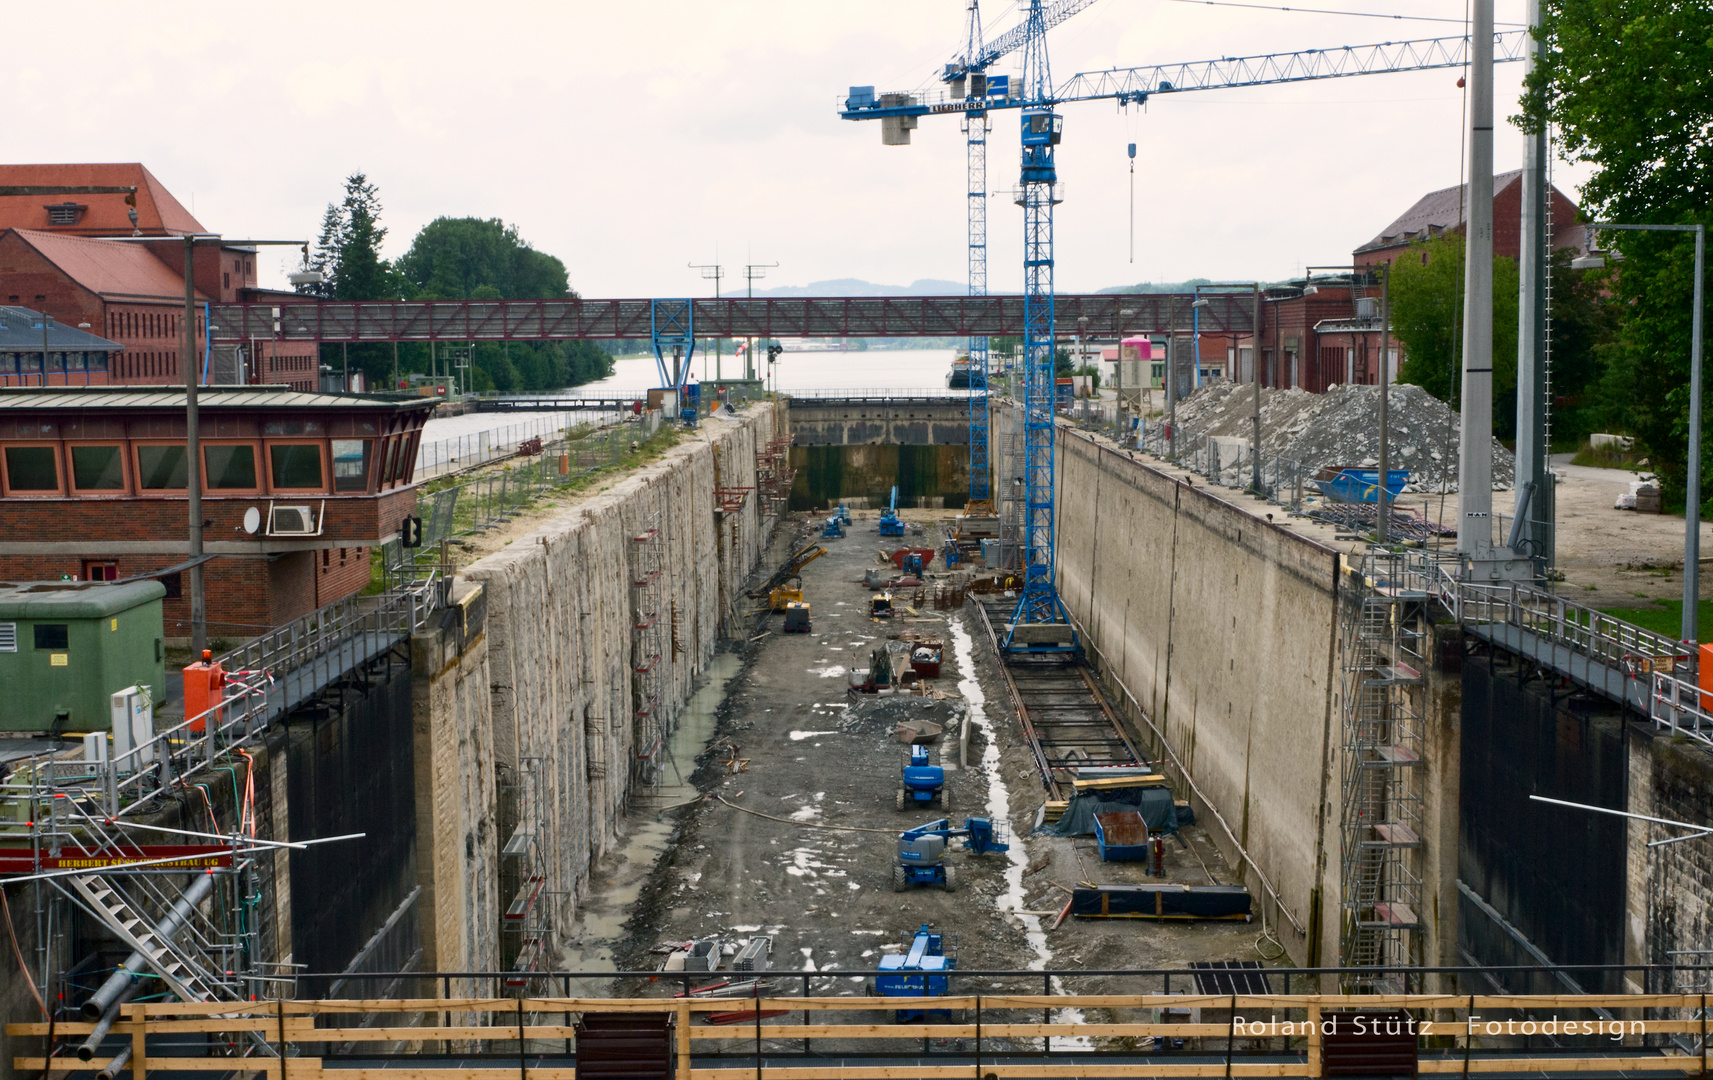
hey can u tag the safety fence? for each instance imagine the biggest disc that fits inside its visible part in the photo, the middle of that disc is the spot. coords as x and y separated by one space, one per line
997 1032
492 498
473 448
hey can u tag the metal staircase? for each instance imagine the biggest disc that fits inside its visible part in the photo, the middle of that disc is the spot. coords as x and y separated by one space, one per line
183 972
1382 660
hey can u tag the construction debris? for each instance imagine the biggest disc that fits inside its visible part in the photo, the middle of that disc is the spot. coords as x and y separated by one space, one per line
1341 429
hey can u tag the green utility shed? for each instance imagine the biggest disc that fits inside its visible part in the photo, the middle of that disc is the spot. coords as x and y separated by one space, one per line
67 646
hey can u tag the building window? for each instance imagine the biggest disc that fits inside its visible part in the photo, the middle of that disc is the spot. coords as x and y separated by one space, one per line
351 464
32 468
295 465
100 571
98 468
230 467
162 468
225 281
173 584
53 636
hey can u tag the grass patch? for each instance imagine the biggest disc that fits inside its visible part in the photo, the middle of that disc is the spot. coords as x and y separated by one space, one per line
1666 617
1608 457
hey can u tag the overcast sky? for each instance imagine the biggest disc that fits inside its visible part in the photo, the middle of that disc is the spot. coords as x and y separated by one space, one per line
631 139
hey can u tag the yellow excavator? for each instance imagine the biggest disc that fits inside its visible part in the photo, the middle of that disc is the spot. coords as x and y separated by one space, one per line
786 586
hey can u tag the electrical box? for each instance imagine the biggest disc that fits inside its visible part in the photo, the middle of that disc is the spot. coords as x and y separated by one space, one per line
67 646
204 689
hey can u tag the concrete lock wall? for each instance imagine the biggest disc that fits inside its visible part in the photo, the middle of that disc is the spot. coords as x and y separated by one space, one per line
455 800
1223 630
559 648
1669 889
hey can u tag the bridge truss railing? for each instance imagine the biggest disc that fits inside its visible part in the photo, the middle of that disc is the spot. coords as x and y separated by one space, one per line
934 395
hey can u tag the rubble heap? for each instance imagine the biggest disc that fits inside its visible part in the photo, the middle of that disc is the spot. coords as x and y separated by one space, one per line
1341 429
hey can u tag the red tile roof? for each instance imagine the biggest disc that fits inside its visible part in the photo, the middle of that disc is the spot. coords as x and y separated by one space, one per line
109 268
158 213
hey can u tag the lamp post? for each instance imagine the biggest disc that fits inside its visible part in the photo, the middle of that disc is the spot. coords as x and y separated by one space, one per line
1692 498
192 436
712 272
751 271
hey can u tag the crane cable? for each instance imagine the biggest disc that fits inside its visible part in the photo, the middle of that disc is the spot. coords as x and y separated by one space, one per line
1325 11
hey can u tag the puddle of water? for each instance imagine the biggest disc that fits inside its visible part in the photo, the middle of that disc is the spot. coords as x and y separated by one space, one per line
629 862
999 808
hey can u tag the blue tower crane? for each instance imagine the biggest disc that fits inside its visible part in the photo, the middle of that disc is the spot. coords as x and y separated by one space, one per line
968 80
1040 623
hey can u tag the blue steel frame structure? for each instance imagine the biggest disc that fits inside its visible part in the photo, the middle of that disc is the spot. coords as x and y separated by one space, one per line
672 323
1041 130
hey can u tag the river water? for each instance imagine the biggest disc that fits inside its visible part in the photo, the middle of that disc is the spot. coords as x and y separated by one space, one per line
871 369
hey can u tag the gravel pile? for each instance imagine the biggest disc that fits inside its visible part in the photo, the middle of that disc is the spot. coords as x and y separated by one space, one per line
1342 428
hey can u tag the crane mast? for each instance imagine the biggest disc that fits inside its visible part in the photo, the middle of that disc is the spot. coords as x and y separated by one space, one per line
1038 607
975 138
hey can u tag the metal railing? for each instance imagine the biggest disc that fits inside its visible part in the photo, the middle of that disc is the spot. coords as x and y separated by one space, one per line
266 678
870 393
1003 1024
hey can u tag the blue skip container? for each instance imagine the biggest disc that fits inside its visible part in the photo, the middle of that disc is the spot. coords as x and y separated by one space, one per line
1363 485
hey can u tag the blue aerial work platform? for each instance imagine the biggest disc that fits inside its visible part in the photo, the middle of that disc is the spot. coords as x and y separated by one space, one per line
919 972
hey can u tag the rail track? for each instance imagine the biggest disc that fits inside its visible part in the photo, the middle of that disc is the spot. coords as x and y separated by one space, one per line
1066 718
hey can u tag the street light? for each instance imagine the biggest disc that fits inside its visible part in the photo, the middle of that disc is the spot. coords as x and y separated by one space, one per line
1692 498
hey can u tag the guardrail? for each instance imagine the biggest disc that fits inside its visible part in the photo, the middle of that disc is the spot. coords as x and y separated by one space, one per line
869 393
999 1034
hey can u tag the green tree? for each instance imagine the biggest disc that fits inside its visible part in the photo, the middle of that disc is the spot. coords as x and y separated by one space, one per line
348 254
1427 319
1629 86
486 259
452 257
1586 385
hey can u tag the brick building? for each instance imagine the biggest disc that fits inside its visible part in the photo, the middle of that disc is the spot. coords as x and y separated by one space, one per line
51 260
92 486
1441 212
1326 331
38 351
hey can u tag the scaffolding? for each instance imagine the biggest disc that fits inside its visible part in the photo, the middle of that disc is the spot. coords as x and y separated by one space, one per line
647 660
774 476
1382 628
524 866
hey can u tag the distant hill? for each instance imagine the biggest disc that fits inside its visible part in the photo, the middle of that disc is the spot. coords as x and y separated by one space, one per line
858 287
1160 287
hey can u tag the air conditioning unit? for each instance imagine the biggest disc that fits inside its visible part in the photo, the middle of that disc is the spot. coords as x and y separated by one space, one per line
1367 307
294 520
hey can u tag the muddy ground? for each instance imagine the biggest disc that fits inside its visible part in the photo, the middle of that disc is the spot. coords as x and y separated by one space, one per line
802 846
